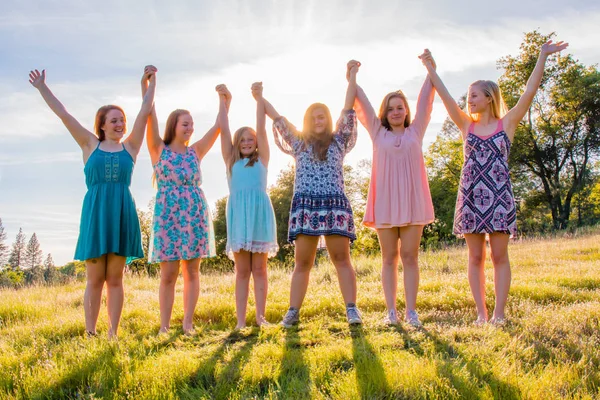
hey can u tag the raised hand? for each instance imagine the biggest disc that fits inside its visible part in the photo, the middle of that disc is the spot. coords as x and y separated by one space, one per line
223 91
427 59
37 79
257 90
550 48
352 68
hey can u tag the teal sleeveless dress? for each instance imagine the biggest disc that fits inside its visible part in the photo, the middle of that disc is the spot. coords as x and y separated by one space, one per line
250 217
109 220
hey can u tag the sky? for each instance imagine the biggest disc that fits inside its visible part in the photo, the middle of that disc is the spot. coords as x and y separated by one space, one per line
94 54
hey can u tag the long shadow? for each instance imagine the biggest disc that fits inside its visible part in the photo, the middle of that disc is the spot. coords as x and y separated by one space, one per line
205 378
372 383
294 376
451 357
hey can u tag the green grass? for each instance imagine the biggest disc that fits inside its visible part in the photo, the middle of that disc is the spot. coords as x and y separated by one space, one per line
549 349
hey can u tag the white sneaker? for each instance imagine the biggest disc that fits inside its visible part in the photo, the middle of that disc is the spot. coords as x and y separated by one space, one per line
391 318
353 315
291 318
412 318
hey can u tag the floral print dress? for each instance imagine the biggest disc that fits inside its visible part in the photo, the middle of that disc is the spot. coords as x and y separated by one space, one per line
319 205
181 227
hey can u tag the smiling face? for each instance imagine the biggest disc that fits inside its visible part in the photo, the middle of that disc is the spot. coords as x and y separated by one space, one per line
396 112
114 126
477 100
319 121
184 128
247 143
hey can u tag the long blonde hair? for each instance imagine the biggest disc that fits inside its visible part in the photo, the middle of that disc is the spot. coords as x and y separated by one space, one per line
386 103
236 154
490 89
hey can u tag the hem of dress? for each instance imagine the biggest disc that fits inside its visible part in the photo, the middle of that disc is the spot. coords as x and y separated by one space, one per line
128 257
372 225
181 259
461 235
271 250
292 237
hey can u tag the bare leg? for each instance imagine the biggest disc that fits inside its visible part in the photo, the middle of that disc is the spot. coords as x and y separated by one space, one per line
261 285
243 270
502 273
388 241
304 254
169 271
191 291
339 252
410 239
476 272
96 276
114 291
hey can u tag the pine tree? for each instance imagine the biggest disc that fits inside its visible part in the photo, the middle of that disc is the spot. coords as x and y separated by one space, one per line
17 254
3 246
33 253
50 271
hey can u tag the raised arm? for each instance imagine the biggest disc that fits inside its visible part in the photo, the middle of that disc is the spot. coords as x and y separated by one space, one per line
352 70
424 107
153 140
223 120
202 146
262 141
136 138
512 119
458 116
270 110
364 110
84 138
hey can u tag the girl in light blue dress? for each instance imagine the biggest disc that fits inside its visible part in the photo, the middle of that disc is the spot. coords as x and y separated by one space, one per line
251 229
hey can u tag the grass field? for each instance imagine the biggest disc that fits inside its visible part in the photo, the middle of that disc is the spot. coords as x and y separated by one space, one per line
549 349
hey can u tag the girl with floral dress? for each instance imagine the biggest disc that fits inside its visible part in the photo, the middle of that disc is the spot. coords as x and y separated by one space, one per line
319 205
182 230
251 229
485 204
109 231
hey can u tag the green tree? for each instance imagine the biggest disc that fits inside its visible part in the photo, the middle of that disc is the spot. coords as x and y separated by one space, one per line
143 265
558 140
33 253
51 274
281 197
220 225
17 254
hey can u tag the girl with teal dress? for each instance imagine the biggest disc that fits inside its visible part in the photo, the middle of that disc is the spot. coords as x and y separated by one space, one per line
182 230
109 231
251 229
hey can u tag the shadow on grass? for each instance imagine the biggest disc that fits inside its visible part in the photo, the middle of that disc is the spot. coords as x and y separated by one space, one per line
215 381
294 377
372 383
450 359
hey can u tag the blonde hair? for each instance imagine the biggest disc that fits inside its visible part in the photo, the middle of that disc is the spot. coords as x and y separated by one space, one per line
386 103
236 154
490 89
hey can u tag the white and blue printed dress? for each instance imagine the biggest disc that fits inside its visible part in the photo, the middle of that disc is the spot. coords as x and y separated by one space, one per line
319 205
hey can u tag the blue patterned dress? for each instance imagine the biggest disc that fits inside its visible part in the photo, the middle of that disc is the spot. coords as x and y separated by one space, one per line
109 220
485 202
181 227
319 205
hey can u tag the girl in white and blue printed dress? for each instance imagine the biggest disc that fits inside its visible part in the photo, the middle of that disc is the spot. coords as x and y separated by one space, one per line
251 228
319 205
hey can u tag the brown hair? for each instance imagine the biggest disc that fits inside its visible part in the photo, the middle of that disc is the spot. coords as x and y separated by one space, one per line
236 153
320 142
386 103
101 119
172 124
490 89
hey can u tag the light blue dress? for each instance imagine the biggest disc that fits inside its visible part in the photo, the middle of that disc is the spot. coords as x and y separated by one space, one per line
250 217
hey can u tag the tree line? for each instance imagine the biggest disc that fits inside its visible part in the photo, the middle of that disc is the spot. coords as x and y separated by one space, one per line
554 162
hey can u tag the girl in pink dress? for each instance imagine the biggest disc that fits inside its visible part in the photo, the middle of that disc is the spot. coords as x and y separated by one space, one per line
181 228
485 203
399 203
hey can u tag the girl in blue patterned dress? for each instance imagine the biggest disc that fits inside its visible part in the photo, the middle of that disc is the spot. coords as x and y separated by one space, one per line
251 229
181 228
109 231
485 203
319 205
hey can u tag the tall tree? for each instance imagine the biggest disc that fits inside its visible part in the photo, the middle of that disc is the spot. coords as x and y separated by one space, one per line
50 272
220 225
3 246
559 139
281 197
17 254
143 265
33 253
